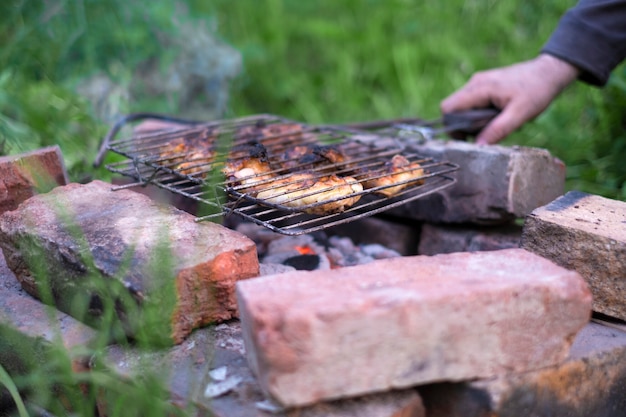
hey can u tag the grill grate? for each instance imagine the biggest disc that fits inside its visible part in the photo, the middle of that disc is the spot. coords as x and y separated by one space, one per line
289 177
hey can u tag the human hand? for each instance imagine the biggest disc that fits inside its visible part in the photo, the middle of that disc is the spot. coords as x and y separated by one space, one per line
522 91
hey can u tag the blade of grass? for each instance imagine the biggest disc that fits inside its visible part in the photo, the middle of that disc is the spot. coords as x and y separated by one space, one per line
7 382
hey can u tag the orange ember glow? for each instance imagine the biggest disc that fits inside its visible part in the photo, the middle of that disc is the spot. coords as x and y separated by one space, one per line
305 250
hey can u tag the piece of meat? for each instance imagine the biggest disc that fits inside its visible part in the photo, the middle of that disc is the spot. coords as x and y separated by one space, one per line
198 162
302 190
190 154
269 133
251 173
251 168
313 156
398 170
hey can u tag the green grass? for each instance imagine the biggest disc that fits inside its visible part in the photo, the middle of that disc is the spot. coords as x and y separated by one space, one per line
365 60
324 61
319 62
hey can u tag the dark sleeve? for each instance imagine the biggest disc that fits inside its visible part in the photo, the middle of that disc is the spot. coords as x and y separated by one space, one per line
592 37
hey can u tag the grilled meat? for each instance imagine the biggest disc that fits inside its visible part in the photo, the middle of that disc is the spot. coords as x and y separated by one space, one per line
311 156
196 163
189 155
398 170
251 171
276 132
302 190
307 176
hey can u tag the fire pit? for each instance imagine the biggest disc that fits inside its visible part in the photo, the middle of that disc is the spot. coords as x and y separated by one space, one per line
151 160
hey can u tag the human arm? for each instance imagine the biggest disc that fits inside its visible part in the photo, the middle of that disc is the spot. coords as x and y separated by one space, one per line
588 43
522 91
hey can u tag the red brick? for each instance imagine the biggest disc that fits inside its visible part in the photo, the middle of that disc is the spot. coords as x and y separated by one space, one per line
586 233
406 321
24 175
181 273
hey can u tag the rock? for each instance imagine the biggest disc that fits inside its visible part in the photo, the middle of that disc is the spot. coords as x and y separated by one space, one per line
442 238
24 175
586 233
591 382
26 324
32 337
400 322
88 249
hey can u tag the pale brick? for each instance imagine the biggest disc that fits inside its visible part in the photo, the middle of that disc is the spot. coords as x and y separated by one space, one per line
591 382
495 183
185 370
441 238
406 321
166 273
24 175
586 233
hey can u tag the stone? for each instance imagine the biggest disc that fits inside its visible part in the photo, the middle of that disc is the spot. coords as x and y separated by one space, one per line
586 233
400 322
446 238
33 336
401 235
32 323
27 174
590 382
88 249
495 184
187 368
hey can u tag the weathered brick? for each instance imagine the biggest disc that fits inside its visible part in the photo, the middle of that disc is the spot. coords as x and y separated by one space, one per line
495 183
164 273
32 333
405 321
22 314
591 382
441 238
24 175
186 370
586 233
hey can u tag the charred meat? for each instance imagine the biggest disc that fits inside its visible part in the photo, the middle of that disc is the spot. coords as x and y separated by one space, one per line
396 175
306 192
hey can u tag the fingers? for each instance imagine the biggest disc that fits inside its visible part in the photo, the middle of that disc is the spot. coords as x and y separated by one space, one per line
477 93
505 88
521 91
508 121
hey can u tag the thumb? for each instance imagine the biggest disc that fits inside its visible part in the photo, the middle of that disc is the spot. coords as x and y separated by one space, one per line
500 127
465 99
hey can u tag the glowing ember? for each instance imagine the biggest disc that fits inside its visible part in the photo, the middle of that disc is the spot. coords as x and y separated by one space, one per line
305 250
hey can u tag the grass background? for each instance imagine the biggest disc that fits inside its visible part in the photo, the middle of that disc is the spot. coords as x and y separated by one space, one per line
325 61
319 62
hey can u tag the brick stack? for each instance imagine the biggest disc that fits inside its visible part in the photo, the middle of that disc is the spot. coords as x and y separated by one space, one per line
499 332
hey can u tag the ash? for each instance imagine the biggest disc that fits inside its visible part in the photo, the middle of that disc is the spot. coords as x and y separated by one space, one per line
279 253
